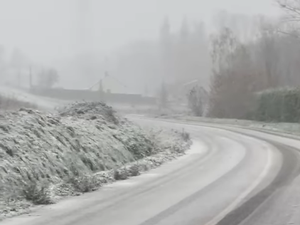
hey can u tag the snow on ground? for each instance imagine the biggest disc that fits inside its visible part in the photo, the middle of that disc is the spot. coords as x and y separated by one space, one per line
43 102
288 128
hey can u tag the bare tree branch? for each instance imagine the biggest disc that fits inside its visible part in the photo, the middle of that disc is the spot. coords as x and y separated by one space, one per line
291 7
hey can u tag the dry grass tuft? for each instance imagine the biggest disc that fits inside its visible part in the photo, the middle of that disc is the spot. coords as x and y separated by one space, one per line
39 193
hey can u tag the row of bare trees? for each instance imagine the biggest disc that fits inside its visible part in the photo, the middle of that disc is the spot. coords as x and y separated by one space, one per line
184 54
17 68
178 56
269 59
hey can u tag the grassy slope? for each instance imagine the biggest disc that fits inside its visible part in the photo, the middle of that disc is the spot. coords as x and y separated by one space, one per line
37 148
11 103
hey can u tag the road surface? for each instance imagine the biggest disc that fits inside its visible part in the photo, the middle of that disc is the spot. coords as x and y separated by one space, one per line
230 176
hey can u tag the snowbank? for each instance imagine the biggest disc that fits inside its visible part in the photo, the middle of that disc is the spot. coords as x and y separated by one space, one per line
69 147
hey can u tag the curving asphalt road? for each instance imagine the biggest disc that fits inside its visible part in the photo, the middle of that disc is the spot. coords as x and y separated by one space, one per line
230 176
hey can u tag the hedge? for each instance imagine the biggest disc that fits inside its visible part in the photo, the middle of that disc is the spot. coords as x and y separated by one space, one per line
278 105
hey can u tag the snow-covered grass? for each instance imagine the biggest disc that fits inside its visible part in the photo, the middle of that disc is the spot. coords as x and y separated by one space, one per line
12 103
78 149
43 103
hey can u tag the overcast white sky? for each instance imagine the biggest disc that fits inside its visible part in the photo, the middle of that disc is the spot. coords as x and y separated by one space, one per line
48 29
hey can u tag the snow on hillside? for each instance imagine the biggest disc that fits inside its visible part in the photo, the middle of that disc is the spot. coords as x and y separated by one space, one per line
70 145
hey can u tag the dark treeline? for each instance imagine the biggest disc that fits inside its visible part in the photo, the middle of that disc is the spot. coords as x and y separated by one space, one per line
175 58
243 70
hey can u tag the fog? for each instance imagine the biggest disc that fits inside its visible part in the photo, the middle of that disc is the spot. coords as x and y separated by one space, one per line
82 39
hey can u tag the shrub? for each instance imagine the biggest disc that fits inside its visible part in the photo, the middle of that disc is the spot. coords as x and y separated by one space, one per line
37 193
278 105
134 170
196 100
185 136
85 183
121 174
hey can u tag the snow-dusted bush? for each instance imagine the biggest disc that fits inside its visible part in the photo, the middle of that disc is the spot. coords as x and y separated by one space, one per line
75 151
279 105
38 193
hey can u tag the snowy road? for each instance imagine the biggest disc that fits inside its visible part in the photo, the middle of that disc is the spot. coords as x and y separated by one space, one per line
230 176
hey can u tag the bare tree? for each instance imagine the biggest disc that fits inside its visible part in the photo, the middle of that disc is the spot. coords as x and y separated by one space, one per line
291 8
276 57
233 80
166 47
267 56
48 78
244 27
242 68
290 24
196 100
163 96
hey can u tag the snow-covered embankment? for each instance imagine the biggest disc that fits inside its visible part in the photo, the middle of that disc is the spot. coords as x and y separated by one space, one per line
80 148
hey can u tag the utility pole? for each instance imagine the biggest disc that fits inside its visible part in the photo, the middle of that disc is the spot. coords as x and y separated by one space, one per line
101 89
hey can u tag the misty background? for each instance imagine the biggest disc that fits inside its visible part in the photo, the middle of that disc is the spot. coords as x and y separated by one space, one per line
141 44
